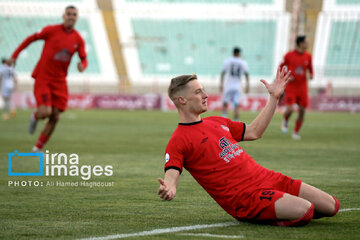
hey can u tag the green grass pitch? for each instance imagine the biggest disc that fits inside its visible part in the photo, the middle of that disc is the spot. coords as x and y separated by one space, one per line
133 142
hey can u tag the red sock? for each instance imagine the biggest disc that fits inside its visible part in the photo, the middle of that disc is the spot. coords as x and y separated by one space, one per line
300 221
337 206
286 118
318 215
42 140
298 126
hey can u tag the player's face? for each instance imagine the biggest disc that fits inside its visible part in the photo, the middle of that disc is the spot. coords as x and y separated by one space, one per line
196 97
70 17
304 45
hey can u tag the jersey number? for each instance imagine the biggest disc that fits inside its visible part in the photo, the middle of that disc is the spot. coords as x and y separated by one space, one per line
235 70
267 195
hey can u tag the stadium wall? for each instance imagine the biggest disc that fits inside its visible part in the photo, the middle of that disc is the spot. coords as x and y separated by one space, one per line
253 102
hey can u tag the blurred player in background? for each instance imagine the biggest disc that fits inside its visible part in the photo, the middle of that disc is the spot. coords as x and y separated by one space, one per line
8 85
208 149
50 88
298 62
233 69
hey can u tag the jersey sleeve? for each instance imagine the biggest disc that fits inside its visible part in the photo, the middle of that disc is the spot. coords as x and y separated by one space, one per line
82 52
174 154
311 66
245 67
42 34
237 130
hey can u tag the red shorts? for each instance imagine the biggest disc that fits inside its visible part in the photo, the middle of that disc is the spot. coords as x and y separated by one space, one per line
299 97
261 203
51 93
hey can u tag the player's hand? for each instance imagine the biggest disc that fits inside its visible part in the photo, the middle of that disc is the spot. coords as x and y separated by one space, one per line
165 192
10 61
277 88
80 67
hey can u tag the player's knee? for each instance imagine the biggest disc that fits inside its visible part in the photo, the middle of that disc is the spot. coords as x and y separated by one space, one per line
303 220
289 110
54 117
306 217
303 208
44 113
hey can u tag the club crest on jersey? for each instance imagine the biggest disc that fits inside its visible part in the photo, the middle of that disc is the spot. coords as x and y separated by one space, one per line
299 70
225 128
167 157
63 55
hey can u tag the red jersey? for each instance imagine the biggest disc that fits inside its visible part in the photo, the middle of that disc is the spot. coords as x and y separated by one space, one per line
60 45
208 149
298 63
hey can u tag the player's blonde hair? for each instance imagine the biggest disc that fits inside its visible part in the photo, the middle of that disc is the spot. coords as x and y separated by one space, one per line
179 83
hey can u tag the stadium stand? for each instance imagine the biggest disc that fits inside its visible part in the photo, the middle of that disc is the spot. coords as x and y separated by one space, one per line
153 40
344 46
161 39
179 46
337 46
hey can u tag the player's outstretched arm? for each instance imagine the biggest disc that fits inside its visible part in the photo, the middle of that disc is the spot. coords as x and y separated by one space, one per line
258 126
167 189
221 87
25 44
247 85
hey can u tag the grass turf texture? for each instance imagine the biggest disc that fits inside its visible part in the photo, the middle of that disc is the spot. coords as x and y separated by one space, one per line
133 142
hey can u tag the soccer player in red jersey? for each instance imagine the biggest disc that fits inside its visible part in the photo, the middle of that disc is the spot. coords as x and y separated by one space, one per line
298 62
208 149
50 88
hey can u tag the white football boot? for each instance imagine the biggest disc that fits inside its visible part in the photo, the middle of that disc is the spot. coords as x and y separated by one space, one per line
296 136
32 124
284 127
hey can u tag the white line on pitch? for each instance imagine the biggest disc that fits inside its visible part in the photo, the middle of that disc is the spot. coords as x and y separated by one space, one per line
349 209
211 235
163 230
179 229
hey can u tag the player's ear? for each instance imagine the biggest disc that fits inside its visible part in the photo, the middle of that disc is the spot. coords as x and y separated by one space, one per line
181 100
